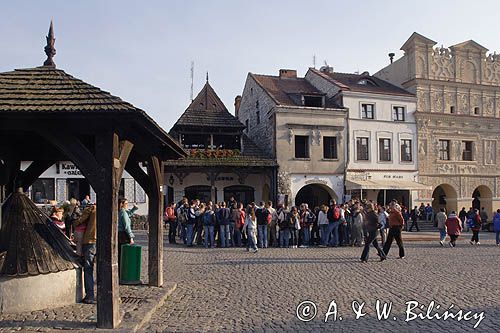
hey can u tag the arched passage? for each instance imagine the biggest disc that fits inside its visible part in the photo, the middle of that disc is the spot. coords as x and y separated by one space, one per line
483 197
314 195
444 196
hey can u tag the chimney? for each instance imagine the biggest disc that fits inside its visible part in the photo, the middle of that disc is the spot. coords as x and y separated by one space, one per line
391 56
288 73
237 103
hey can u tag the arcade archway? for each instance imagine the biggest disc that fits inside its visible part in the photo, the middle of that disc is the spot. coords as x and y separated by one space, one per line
314 195
482 197
444 196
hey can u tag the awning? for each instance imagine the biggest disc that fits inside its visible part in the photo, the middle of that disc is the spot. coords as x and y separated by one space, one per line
395 184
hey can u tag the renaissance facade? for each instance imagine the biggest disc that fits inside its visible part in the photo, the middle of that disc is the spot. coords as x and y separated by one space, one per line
458 120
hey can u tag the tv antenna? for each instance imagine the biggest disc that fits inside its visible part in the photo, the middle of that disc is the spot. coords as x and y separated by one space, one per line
192 79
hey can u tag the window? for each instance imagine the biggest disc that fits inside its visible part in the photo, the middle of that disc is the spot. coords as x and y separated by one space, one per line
444 150
476 110
258 117
301 146
367 111
452 109
42 190
313 101
330 147
362 149
398 113
246 126
384 146
467 150
406 151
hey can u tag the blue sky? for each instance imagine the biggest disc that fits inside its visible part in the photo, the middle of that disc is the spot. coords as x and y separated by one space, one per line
141 51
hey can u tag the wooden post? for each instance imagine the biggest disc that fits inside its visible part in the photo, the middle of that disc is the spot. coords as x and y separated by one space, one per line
155 212
108 300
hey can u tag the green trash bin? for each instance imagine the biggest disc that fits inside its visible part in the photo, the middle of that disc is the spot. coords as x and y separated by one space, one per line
130 264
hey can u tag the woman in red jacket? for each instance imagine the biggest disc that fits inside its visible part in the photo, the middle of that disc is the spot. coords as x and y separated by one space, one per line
453 227
475 227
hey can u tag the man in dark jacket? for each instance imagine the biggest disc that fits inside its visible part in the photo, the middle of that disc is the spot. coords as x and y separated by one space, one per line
371 226
414 218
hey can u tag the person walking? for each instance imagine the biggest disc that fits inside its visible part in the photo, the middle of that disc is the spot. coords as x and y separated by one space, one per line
357 225
382 220
371 226
496 226
414 218
396 224
454 228
88 218
441 225
475 226
428 212
462 215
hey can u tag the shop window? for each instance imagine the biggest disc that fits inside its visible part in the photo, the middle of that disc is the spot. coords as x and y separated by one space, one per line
43 190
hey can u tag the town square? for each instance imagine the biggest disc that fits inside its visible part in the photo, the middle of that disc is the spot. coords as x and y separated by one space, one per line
162 172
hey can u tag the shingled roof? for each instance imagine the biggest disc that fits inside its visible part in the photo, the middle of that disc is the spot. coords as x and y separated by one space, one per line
283 89
351 82
47 89
207 110
28 244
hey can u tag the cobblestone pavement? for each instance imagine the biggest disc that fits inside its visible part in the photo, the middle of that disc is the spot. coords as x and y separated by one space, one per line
231 290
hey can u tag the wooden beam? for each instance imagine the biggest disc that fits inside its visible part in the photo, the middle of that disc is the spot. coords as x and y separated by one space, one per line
108 299
133 168
33 172
13 167
155 212
76 151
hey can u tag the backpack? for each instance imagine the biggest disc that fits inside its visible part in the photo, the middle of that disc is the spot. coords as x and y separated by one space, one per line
336 213
266 216
182 216
470 223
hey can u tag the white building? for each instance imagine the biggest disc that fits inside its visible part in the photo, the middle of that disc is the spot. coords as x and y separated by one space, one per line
381 141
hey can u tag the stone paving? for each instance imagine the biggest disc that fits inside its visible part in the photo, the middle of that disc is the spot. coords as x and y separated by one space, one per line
231 290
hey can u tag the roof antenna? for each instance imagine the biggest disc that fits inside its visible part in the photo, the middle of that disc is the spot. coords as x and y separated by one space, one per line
314 61
50 50
192 79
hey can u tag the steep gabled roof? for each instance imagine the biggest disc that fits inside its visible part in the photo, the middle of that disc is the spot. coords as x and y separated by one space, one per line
207 110
351 82
282 89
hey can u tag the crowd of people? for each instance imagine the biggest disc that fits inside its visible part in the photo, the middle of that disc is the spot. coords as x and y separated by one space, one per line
353 223
78 222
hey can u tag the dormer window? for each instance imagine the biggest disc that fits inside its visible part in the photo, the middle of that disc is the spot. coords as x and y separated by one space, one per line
313 101
366 82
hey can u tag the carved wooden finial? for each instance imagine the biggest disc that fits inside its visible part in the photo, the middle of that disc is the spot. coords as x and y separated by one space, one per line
207 76
50 50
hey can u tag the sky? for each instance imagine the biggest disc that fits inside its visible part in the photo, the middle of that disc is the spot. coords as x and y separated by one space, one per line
142 51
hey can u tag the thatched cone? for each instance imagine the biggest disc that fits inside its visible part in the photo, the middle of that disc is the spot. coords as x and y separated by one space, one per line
29 243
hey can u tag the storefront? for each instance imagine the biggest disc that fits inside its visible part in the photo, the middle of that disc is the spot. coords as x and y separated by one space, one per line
384 186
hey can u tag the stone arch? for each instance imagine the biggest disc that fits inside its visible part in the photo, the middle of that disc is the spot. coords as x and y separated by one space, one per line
444 196
482 196
315 195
